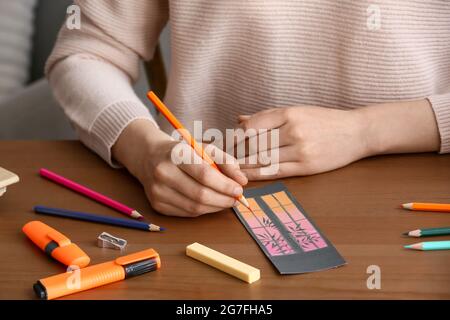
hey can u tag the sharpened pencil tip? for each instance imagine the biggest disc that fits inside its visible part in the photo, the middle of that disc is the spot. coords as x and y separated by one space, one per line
407 206
405 233
244 201
408 247
155 228
136 215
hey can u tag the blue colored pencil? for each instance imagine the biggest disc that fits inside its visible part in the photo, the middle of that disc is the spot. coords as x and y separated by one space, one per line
97 218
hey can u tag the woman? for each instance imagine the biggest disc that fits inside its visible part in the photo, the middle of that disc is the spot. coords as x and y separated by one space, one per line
340 80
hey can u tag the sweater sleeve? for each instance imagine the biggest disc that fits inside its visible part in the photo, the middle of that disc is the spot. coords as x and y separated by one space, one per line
91 70
441 107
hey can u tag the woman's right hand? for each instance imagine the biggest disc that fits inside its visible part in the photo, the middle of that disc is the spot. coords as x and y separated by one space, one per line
185 190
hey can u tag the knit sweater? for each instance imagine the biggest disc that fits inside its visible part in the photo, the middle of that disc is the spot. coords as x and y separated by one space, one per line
242 56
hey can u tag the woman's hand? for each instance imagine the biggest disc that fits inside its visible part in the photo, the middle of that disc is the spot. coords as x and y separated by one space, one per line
311 140
186 190
315 139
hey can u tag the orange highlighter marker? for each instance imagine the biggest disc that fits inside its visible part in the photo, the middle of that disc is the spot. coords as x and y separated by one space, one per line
97 275
55 244
187 136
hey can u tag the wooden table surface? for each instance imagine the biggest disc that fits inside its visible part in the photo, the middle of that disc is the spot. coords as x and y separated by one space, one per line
357 207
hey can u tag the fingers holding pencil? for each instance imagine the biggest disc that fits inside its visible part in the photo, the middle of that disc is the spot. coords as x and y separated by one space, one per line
187 137
175 203
204 185
147 153
172 189
220 183
227 164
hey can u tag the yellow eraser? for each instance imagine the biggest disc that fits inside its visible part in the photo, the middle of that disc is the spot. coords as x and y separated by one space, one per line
222 262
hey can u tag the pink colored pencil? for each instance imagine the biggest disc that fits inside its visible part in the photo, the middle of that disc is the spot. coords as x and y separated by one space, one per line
90 193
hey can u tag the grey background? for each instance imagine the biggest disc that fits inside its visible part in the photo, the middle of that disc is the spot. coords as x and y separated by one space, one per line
32 113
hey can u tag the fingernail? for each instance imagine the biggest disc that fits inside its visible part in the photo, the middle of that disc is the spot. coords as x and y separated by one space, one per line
237 191
236 203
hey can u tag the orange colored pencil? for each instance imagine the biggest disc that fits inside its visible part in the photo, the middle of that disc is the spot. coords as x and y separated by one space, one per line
435 207
187 136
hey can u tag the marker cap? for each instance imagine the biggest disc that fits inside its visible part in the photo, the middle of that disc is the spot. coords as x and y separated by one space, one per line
55 244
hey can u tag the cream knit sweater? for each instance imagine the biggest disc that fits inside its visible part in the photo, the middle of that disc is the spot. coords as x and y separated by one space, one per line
232 57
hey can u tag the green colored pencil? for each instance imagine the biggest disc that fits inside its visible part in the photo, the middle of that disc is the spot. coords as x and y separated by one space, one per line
431 245
428 232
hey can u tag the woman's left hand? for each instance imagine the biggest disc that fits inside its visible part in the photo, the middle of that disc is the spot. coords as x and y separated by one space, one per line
311 140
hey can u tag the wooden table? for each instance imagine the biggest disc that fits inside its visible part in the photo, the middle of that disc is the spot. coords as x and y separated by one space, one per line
357 207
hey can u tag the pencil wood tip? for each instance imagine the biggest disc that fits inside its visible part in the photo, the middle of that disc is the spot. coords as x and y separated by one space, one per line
415 246
244 201
155 228
136 215
407 206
